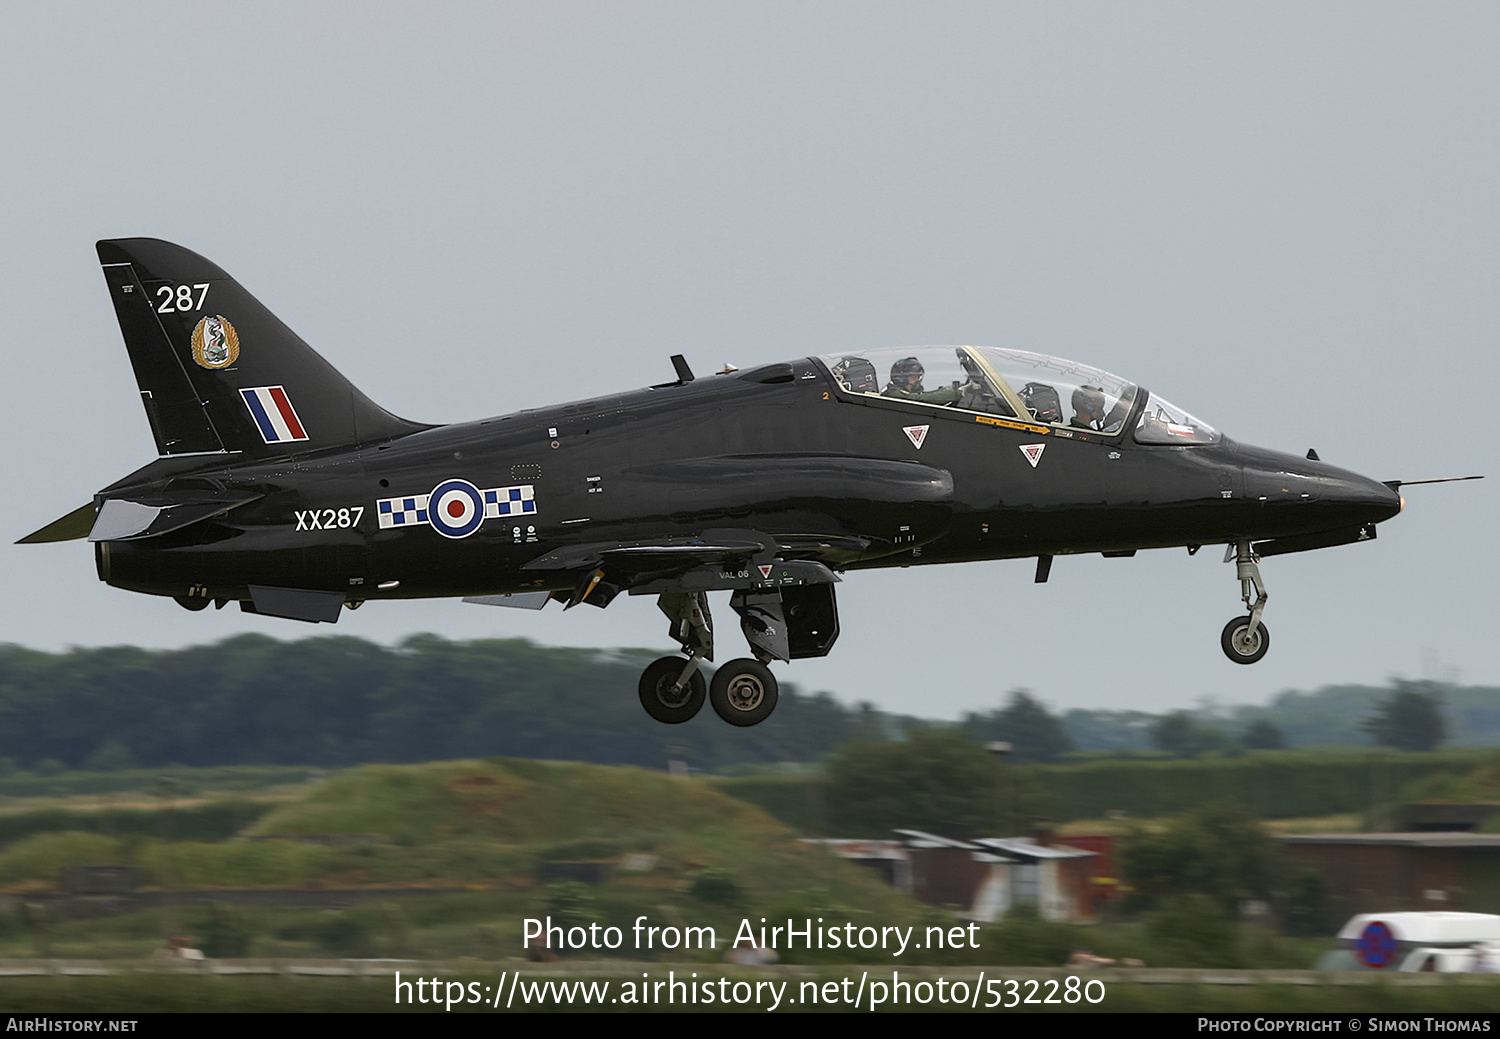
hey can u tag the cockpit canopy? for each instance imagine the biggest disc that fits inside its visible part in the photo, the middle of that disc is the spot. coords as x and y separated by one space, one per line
1015 384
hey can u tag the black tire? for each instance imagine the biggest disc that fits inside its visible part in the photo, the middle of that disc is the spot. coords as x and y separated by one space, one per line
1240 648
743 692
658 697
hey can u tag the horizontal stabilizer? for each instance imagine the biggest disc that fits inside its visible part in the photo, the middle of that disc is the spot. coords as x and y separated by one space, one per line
71 527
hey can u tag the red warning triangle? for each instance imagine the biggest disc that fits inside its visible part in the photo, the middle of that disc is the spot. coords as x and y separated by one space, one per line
1033 453
916 434
765 571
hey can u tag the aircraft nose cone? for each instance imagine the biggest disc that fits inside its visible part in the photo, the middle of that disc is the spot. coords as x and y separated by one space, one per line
1370 501
1305 494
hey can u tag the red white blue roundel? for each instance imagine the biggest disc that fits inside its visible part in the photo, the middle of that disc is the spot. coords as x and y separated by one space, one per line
455 508
1376 945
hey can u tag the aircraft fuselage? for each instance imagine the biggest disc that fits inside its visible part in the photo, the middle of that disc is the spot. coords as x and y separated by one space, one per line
724 451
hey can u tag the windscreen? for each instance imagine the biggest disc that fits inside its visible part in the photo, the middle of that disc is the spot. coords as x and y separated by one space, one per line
1165 423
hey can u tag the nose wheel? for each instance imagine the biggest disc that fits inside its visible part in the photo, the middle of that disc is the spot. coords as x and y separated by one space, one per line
1245 639
1244 644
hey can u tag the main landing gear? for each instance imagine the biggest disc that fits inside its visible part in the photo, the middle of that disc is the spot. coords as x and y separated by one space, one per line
743 692
672 689
1245 639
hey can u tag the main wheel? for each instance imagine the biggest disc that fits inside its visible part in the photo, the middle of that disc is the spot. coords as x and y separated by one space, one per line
661 700
1242 645
743 692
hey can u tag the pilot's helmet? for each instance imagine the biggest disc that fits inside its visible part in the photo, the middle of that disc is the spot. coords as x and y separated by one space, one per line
1089 401
905 368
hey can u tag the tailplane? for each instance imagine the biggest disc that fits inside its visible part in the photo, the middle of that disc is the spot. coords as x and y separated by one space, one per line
218 371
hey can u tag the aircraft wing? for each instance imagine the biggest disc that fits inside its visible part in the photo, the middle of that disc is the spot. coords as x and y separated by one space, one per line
714 560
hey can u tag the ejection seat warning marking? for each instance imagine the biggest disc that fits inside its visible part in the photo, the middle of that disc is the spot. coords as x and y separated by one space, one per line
991 420
765 571
916 434
1033 453
461 506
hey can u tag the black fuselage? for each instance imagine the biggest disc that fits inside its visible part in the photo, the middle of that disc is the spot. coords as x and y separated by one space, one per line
780 450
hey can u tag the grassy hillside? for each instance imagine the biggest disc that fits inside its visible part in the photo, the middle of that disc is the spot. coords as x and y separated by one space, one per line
468 824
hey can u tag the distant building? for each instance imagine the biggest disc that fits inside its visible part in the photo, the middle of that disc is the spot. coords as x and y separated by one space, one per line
982 879
1390 872
1445 816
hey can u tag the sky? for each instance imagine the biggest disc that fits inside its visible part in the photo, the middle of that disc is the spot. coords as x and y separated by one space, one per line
1279 216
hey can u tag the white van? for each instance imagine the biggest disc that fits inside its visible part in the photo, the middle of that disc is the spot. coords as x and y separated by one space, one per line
1449 943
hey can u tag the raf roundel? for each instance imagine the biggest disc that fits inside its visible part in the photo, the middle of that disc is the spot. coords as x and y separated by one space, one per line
455 508
1376 945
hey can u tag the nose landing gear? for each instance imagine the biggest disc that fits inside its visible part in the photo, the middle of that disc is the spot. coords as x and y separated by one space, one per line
1245 639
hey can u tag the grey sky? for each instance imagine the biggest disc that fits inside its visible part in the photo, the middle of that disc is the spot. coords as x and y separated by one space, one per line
1282 217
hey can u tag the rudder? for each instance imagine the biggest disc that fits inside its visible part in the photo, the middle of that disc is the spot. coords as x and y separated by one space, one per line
218 371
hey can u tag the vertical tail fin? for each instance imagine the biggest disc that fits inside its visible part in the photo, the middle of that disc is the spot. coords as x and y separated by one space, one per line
218 371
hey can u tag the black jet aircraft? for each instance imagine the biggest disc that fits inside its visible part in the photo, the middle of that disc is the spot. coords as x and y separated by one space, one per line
284 489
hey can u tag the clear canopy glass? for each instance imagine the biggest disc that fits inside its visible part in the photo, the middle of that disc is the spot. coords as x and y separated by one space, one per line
1165 423
996 380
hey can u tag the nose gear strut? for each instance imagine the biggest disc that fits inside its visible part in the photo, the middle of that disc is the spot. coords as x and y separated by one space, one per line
1245 639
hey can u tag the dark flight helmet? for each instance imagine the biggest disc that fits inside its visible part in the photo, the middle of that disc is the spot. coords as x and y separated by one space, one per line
905 368
1089 400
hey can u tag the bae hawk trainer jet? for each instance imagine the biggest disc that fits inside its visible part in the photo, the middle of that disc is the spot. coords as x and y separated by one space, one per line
284 489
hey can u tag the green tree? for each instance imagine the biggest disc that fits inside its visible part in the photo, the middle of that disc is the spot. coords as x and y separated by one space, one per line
1409 719
1180 735
936 780
1263 734
1220 851
1033 733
